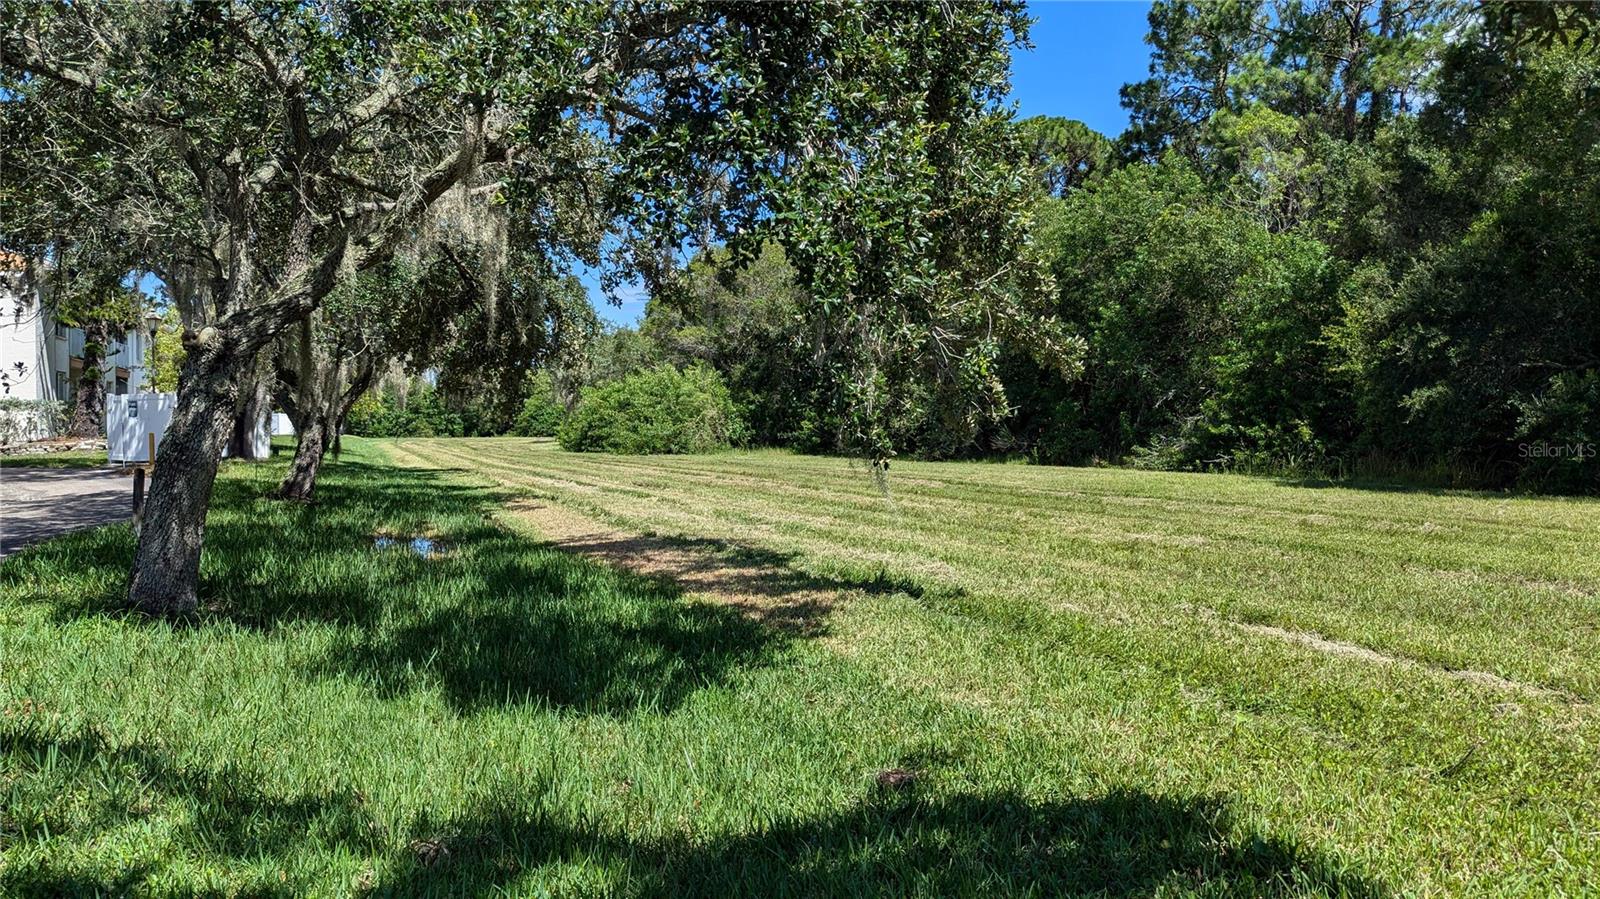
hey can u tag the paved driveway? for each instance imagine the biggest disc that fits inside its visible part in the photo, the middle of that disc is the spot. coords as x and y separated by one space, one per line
40 503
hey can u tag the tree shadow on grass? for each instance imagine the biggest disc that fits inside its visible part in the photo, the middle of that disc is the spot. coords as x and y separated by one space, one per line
764 584
1396 485
266 562
1128 843
493 618
77 574
501 621
893 842
82 788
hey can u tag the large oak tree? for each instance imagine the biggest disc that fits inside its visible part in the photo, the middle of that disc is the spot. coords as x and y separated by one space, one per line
260 153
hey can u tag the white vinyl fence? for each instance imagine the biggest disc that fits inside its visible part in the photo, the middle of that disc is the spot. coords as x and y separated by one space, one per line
130 420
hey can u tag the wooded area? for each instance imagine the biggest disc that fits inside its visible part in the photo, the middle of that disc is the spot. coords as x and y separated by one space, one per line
1340 239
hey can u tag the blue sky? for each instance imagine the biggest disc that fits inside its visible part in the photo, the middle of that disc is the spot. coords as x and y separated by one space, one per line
1083 52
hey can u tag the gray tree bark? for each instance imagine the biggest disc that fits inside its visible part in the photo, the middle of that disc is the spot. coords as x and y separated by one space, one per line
326 388
89 404
255 402
166 565
311 444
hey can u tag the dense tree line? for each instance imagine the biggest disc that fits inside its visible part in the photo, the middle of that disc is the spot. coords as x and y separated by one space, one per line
1348 238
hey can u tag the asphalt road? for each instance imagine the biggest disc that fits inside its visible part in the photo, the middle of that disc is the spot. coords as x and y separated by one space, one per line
39 503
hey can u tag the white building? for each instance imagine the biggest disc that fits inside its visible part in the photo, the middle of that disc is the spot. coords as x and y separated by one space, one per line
42 359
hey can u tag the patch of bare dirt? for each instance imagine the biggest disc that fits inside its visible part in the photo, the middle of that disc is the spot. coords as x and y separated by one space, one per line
767 592
896 779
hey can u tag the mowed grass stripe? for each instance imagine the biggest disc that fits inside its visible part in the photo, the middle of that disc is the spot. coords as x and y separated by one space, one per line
1362 556
1515 514
1422 648
1386 601
1242 520
1377 736
903 515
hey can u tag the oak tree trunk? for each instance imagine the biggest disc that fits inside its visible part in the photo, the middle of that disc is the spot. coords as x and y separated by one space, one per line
255 402
353 391
311 441
166 565
324 387
89 405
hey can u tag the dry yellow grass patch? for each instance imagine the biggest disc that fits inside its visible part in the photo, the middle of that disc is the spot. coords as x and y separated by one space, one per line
768 593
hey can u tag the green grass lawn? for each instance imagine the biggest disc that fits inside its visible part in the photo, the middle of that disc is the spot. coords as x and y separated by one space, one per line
1102 683
66 459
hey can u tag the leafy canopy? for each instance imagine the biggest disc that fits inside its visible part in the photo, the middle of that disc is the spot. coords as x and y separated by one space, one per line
256 154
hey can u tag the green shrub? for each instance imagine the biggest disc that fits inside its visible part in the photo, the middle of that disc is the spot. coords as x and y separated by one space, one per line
541 414
663 410
24 420
421 414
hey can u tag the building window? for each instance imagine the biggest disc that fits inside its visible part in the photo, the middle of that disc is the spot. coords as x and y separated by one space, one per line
61 385
61 330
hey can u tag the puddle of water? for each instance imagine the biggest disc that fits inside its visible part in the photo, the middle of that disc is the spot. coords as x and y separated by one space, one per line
426 547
